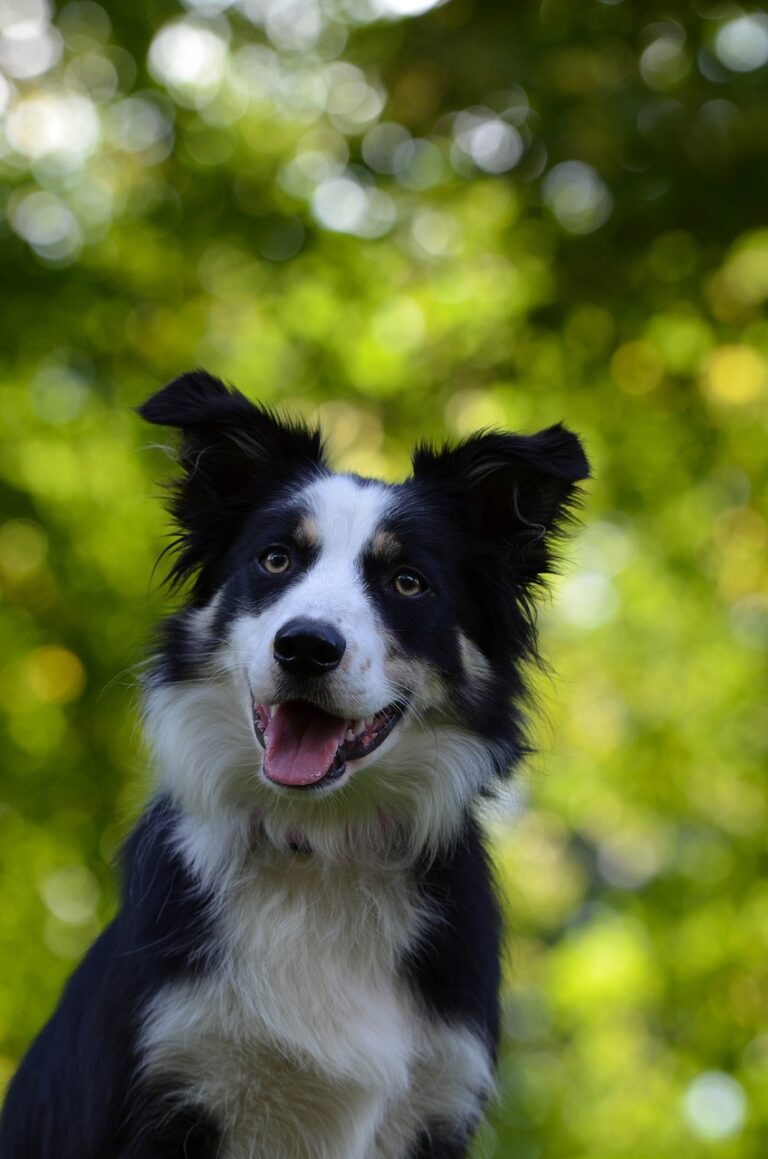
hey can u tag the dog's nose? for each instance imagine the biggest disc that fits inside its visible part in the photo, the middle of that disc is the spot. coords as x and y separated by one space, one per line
307 647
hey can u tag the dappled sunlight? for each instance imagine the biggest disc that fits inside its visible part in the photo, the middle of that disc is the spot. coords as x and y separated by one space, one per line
413 219
741 43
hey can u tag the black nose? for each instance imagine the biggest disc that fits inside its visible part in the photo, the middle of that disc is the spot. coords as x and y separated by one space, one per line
307 647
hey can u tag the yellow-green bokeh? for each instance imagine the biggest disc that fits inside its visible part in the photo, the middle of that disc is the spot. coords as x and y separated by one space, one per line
414 220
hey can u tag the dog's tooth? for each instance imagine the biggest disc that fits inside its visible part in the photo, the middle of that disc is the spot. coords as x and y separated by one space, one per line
368 721
349 734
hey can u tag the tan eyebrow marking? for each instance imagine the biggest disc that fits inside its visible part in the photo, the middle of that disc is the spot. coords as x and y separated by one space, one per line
385 546
307 534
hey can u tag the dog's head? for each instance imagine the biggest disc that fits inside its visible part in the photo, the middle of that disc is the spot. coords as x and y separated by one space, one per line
351 649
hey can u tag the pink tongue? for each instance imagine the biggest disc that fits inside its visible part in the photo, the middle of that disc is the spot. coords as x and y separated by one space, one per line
301 741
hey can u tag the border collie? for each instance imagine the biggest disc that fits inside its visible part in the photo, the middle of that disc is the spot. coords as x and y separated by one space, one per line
305 964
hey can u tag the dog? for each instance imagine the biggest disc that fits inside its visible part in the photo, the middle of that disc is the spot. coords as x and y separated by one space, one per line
306 960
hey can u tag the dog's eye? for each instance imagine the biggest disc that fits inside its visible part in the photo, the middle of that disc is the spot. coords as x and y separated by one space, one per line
408 583
275 561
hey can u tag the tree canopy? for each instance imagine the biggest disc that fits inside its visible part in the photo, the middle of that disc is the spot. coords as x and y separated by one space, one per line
414 219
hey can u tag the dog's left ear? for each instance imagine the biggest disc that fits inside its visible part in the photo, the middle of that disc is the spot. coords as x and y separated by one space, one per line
232 453
520 488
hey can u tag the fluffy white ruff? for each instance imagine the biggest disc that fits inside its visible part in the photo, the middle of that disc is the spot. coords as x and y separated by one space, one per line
302 1039
407 803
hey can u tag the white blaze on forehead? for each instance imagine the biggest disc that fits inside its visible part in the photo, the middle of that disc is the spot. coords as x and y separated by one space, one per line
347 514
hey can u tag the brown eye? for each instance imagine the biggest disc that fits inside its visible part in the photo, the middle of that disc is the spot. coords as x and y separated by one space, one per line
408 583
275 561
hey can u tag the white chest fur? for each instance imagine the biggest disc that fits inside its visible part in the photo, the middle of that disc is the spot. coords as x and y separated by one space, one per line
302 1040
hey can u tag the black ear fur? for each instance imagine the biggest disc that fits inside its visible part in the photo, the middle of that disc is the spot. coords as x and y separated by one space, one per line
521 489
231 451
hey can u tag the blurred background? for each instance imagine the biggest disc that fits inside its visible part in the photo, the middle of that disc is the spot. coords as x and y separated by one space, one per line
414 219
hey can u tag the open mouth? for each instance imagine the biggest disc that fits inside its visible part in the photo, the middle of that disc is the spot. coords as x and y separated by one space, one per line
305 746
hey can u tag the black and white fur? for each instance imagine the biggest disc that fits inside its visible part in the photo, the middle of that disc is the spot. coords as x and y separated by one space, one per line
311 971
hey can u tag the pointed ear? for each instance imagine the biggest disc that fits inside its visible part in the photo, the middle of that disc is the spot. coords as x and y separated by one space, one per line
521 489
232 451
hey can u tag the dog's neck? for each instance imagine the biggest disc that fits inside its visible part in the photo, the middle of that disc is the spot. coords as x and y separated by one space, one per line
220 849
386 842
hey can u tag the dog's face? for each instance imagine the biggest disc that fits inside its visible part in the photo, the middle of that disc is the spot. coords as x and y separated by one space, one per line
331 672
346 638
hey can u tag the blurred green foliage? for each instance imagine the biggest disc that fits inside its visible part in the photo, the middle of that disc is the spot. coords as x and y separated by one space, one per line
413 220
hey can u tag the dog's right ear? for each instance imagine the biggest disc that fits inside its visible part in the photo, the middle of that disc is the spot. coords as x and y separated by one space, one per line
520 489
231 451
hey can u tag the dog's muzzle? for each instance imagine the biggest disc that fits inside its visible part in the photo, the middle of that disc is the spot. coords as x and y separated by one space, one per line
308 648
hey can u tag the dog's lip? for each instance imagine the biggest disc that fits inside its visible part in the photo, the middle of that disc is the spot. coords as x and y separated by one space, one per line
363 736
